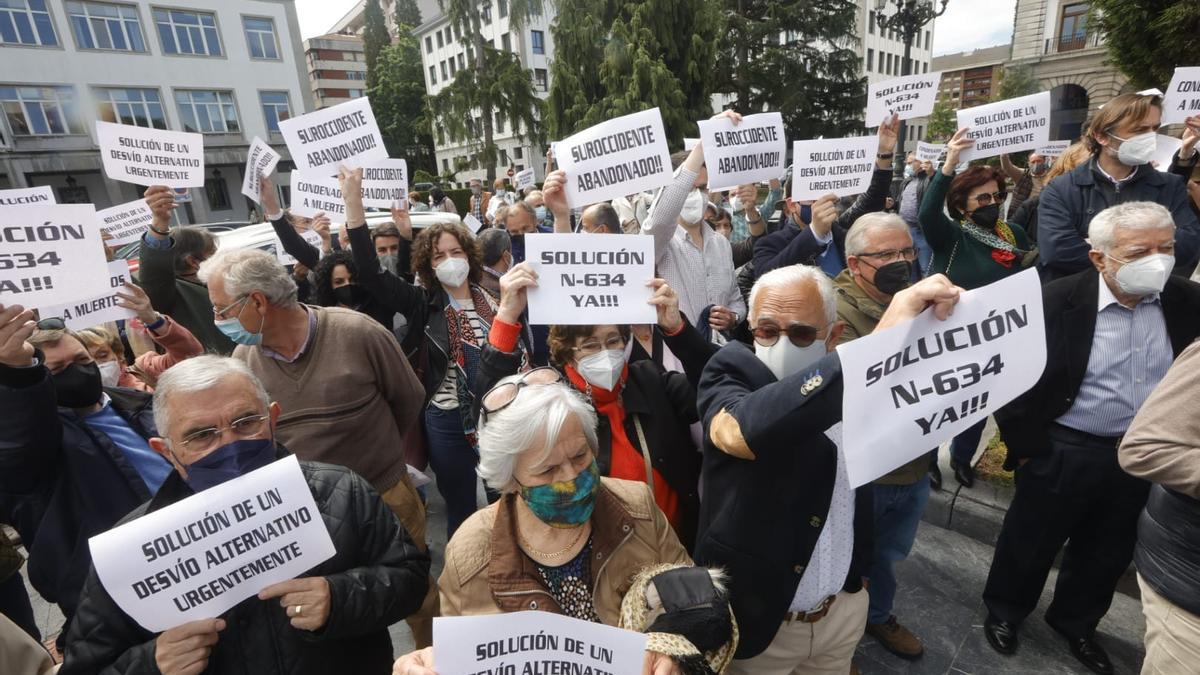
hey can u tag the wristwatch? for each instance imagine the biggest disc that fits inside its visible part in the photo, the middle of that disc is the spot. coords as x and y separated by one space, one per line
885 155
156 324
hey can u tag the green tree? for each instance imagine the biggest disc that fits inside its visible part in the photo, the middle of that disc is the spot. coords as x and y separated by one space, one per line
407 13
1146 39
397 94
375 36
616 57
495 85
1016 81
942 123
795 57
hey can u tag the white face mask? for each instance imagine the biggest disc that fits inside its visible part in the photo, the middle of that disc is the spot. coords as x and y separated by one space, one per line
110 373
602 370
735 204
785 358
1138 149
1145 276
693 208
452 272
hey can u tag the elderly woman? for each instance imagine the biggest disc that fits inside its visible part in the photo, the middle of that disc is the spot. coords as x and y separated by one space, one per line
562 538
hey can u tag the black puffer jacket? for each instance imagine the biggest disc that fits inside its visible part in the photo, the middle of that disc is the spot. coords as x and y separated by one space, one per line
1168 549
376 578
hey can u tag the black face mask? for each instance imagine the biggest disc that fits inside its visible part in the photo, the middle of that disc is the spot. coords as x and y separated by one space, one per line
350 295
893 277
78 385
986 216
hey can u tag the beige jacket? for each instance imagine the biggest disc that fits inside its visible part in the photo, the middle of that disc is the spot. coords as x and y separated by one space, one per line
1163 441
487 573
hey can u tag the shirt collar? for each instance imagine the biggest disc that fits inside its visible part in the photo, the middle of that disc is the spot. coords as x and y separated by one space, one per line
1106 297
1118 181
308 340
681 234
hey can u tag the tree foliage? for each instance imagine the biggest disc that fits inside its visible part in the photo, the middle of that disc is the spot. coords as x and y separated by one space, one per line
1016 81
616 57
407 13
375 36
942 123
1147 38
398 100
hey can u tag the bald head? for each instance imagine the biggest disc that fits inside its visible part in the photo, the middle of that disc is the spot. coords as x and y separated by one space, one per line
600 218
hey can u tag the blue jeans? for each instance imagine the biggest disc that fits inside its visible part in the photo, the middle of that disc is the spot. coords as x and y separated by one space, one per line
963 447
453 461
924 252
898 510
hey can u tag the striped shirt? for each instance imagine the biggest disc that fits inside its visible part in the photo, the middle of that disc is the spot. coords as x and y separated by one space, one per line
1131 352
446 396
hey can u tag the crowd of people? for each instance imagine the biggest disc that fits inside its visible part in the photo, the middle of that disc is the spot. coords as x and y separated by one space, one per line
692 470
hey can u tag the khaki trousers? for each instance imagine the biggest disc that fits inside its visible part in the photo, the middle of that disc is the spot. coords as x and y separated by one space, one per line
1172 635
403 500
826 646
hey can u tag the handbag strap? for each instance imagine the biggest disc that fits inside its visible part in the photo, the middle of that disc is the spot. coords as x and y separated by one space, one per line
637 424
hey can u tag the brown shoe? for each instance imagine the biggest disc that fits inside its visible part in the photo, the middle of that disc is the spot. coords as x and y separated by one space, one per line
896 639
853 668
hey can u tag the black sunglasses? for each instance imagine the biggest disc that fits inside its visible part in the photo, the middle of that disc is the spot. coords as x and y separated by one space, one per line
799 334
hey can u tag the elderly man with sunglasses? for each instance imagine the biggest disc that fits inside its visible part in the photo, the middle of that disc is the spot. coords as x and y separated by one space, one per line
778 512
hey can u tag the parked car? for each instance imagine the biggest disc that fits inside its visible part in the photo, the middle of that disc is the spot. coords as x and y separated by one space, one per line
129 252
262 236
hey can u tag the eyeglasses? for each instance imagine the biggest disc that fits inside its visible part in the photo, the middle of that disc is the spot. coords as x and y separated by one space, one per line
220 313
204 440
505 393
799 334
985 198
52 323
909 254
595 346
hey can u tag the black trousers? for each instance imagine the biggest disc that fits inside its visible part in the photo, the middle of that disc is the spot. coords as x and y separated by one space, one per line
1077 495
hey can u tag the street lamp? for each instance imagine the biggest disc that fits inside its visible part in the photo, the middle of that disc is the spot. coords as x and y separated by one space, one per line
907 20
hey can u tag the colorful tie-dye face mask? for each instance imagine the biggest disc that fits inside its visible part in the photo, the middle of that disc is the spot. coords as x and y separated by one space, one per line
568 503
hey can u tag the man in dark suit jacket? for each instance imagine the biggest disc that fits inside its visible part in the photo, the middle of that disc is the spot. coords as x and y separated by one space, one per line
778 513
1111 334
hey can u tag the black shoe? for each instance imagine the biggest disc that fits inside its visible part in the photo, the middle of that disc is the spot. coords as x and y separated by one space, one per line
1001 635
1091 655
935 476
963 473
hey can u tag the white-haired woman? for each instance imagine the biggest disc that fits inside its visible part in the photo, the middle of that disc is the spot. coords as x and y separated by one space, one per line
561 538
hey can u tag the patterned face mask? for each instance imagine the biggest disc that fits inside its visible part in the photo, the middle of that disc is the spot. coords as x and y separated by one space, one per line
568 503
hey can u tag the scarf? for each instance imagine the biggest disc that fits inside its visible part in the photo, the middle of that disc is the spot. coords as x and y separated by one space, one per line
1002 241
465 350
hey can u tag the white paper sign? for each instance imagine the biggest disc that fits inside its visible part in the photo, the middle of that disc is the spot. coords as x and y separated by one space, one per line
97 309
524 179
472 223
1021 123
49 254
1165 151
534 642
126 222
384 182
313 193
144 156
286 258
689 143
744 153
260 161
909 97
615 158
1053 149
344 135
1152 91
199 557
915 385
842 166
930 152
590 280
1182 99
42 194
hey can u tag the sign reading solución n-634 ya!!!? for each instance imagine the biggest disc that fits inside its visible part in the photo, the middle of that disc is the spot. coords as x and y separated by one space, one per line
49 254
590 280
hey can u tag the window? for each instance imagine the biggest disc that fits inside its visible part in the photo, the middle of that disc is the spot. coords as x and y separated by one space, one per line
217 192
73 193
506 42
445 71
926 39
453 68
457 34
487 11
462 62
925 67
503 5
445 165
503 157
440 42
40 111
538 39
354 93
870 60
428 44
517 152
1072 31
26 22
260 34
500 125
99 25
432 75
355 75
191 33
871 21
276 108
139 107
208 112
539 79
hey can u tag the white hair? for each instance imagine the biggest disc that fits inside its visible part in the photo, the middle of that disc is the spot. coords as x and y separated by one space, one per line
1102 231
532 422
794 275
197 374
246 270
856 238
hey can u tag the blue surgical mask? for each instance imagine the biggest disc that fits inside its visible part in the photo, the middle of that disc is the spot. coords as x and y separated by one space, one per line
909 171
230 461
541 214
234 330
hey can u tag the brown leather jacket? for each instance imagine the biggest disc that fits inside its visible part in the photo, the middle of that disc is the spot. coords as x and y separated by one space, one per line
486 572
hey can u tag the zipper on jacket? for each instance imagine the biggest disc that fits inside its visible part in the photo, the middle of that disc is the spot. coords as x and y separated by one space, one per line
604 564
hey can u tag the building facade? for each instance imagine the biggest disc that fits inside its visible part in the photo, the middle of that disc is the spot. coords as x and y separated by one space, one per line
971 78
882 57
337 68
230 71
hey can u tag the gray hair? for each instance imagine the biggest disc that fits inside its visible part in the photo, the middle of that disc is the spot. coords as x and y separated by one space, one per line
793 275
493 242
1102 231
856 238
532 422
246 270
197 374
524 206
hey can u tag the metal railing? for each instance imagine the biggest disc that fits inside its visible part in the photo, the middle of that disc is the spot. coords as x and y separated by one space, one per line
1060 44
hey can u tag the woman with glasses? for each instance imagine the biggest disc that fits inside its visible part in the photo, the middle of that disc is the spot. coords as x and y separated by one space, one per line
644 411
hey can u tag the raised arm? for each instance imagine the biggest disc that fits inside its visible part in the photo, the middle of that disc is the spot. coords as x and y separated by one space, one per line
156 259
555 193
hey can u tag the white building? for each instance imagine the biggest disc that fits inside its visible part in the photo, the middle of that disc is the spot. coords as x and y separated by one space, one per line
230 69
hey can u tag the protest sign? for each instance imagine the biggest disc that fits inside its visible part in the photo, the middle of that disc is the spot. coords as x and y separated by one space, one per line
199 557
260 162
743 153
1165 151
343 135
534 642
524 179
126 222
689 143
590 280
472 223
914 385
49 254
1182 98
1053 149
1021 123
1152 91
97 309
618 157
43 194
145 156
313 193
930 152
908 97
842 166
286 258
384 182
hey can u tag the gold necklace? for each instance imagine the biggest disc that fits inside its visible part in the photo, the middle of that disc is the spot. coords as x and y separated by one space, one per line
555 554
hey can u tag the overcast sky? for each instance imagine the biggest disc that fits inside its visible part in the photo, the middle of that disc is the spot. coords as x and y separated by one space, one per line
966 25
